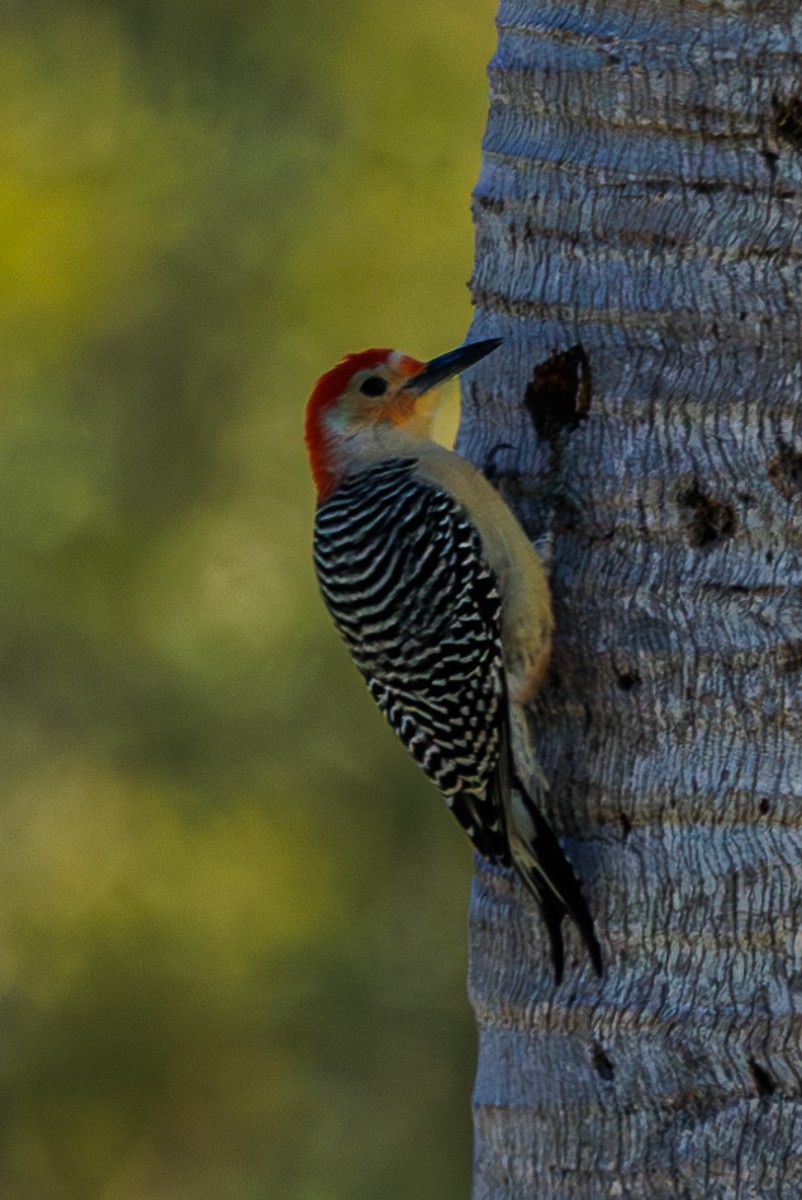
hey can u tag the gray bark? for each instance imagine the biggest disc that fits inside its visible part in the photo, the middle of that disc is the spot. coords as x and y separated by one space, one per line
641 198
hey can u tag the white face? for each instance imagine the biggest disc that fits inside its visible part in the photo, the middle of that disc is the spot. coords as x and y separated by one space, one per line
375 397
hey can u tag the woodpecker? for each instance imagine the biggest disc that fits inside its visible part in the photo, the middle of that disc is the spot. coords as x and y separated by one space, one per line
444 606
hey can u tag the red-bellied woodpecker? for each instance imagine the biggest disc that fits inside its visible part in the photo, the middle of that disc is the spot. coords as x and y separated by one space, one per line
444 606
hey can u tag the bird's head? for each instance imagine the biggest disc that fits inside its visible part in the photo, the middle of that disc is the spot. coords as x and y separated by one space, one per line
374 391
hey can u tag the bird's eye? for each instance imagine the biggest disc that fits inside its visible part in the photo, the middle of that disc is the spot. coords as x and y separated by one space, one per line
373 386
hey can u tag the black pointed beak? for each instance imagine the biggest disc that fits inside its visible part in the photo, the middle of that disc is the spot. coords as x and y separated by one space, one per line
446 366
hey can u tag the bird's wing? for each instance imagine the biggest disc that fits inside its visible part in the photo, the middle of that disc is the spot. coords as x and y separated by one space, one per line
402 571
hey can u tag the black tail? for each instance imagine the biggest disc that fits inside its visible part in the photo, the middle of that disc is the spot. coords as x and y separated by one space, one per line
539 860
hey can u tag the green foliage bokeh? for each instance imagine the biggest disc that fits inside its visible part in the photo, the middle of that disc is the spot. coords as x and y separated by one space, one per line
232 936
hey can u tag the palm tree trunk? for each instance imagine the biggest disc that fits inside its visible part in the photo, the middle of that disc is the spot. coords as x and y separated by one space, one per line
639 241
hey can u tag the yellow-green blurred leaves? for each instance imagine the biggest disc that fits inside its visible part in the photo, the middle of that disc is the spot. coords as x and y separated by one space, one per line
89 184
115 852
232 919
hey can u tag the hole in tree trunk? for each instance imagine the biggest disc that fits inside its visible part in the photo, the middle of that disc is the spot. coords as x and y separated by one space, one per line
602 1064
764 1084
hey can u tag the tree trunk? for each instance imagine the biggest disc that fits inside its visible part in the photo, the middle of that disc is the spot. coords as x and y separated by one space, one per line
638 248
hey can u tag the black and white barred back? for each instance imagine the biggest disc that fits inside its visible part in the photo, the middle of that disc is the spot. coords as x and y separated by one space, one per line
402 572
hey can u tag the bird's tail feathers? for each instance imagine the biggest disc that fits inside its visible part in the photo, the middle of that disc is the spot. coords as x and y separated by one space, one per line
542 865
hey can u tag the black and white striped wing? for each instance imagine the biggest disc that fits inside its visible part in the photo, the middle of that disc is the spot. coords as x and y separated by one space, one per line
402 572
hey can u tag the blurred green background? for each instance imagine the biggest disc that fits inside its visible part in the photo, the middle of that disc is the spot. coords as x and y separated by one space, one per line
233 919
